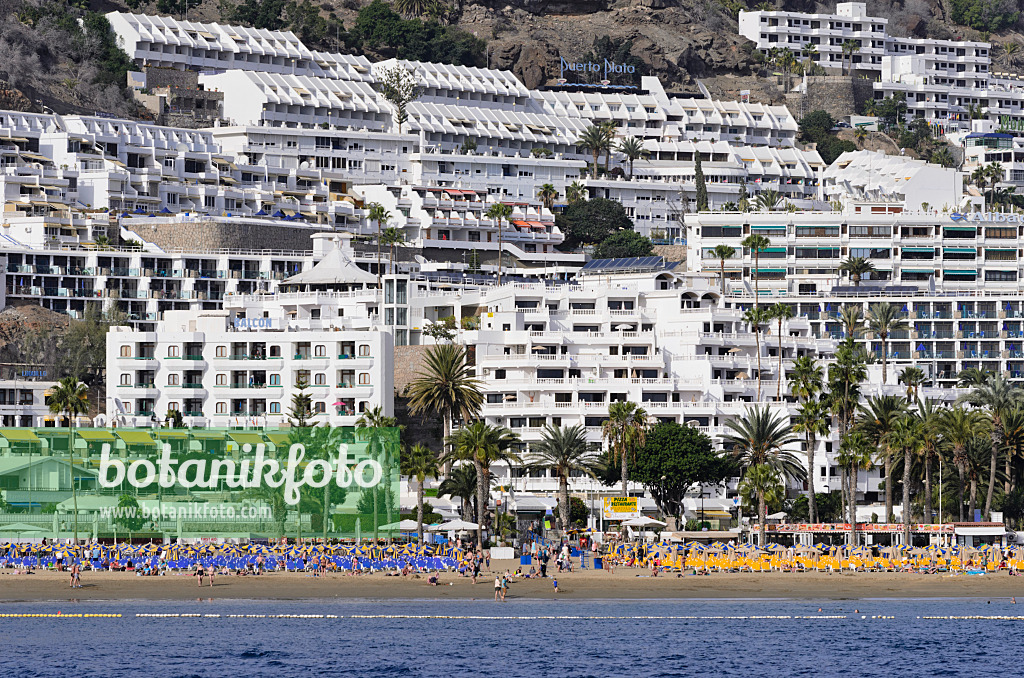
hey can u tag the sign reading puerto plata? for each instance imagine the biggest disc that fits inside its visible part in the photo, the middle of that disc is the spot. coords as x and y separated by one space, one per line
604 67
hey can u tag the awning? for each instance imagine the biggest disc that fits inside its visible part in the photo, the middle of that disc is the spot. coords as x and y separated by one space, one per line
962 272
19 435
207 435
778 227
917 249
774 249
918 270
243 438
960 250
97 434
279 438
960 228
136 438
771 270
992 531
171 435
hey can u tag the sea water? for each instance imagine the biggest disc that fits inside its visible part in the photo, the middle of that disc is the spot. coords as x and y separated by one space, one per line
518 638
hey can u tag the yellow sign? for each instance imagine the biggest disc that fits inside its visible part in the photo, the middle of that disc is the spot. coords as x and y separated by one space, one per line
621 508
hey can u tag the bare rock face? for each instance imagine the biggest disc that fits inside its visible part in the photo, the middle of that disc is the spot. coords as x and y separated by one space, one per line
13 99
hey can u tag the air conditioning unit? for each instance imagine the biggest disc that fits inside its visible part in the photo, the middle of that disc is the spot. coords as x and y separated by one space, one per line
486 371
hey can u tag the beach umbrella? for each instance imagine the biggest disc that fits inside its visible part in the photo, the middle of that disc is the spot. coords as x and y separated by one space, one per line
402 525
458 524
642 521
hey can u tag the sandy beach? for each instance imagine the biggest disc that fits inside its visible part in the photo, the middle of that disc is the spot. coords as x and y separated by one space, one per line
590 584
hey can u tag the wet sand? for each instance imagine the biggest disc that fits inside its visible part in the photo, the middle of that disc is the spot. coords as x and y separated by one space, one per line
589 584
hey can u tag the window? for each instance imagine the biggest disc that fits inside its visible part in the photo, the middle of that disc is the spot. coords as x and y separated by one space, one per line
222 380
319 379
172 379
275 408
172 352
222 351
275 351
364 349
173 406
126 351
126 379
320 351
319 407
222 408
364 378
275 380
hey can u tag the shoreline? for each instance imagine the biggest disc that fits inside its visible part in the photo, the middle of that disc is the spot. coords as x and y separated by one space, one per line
623 584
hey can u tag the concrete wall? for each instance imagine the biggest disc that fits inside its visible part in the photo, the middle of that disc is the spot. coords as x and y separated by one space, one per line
213 235
837 95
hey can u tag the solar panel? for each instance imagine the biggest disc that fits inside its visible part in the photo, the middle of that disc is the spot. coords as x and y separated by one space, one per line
623 265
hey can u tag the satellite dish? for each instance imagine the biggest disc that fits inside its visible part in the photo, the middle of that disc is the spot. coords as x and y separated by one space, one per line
242 160
304 164
59 122
182 148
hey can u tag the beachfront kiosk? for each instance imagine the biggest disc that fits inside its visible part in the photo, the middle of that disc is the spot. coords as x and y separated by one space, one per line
974 535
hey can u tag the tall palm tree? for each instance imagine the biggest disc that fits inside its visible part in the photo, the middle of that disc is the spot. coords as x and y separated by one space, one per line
762 483
1013 440
811 420
878 418
446 387
483 444
980 177
70 397
995 174
548 194
390 238
564 450
723 252
779 312
499 212
854 455
625 429
420 462
593 139
929 412
851 317
633 149
998 396
759 438
380 432
906 439
856 268
756 244
381 216
959 428
575 192
883 320
608 128
461 483
912 378
805 379
757 319
850 47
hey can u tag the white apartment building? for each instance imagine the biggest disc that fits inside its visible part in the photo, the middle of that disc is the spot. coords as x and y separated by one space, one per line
226 370
23 398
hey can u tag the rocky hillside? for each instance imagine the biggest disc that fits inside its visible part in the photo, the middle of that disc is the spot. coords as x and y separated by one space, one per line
49 57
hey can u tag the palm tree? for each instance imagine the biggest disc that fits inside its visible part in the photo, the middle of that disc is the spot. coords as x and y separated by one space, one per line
851 317
499 212
999 396
942 156
811 420
758 438
461 483
633 149
625 429
877 420
594 140
420 462
805 378
70 397
928 411
483 444
883 320
854 455
381 216
980 177
564 450
995 174
378 430
959 428
912 378
608 128
548 194
856 268
575 192
808 52
412 8
768 200
780 312
723 252
757 318
860 134
1013 440
849 48
446 387
756 244
971 377
390 237
762 483
906 438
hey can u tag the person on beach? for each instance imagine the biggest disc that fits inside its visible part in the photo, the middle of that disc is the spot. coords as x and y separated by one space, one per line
76 582
497 587
504 585
200 573
213 570
555 582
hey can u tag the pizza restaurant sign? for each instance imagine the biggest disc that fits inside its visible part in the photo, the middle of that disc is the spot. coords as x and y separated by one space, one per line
986 217
604 67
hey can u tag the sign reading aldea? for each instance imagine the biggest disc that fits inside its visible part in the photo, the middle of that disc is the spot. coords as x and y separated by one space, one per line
605 67
987 217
